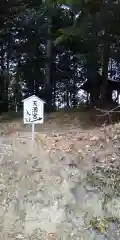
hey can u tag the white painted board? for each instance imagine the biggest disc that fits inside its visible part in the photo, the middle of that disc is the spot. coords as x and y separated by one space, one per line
33 110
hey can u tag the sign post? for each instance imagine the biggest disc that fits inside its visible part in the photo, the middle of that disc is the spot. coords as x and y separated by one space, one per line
33 134
33 113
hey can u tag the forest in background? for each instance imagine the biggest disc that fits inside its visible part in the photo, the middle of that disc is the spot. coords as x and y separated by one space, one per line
50 48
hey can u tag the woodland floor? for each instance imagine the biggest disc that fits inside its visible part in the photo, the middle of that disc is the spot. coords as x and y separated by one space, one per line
67 187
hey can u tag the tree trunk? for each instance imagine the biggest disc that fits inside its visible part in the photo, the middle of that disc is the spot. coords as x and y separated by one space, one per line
111 66
92 67
67 98
106 53
109 96
74 84
48 68
3 86
54 94
87 98
16 93
7 79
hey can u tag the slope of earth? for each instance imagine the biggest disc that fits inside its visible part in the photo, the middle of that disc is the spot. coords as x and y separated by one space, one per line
65 188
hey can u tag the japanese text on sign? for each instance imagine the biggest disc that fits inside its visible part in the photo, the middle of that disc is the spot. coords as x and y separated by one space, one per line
35 110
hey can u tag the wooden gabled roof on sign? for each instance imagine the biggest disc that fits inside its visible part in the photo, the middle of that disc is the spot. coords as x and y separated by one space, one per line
32 97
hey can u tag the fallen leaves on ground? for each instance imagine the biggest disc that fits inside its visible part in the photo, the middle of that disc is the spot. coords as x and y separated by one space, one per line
69 140
98 224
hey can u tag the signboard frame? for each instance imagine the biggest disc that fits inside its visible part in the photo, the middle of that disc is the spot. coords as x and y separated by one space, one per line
33 112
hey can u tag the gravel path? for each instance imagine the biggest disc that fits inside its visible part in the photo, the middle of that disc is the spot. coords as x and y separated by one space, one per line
45 195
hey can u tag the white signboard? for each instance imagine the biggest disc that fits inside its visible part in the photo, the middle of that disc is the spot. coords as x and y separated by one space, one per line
33 111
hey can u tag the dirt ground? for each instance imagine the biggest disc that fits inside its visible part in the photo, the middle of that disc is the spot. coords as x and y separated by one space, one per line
65 188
